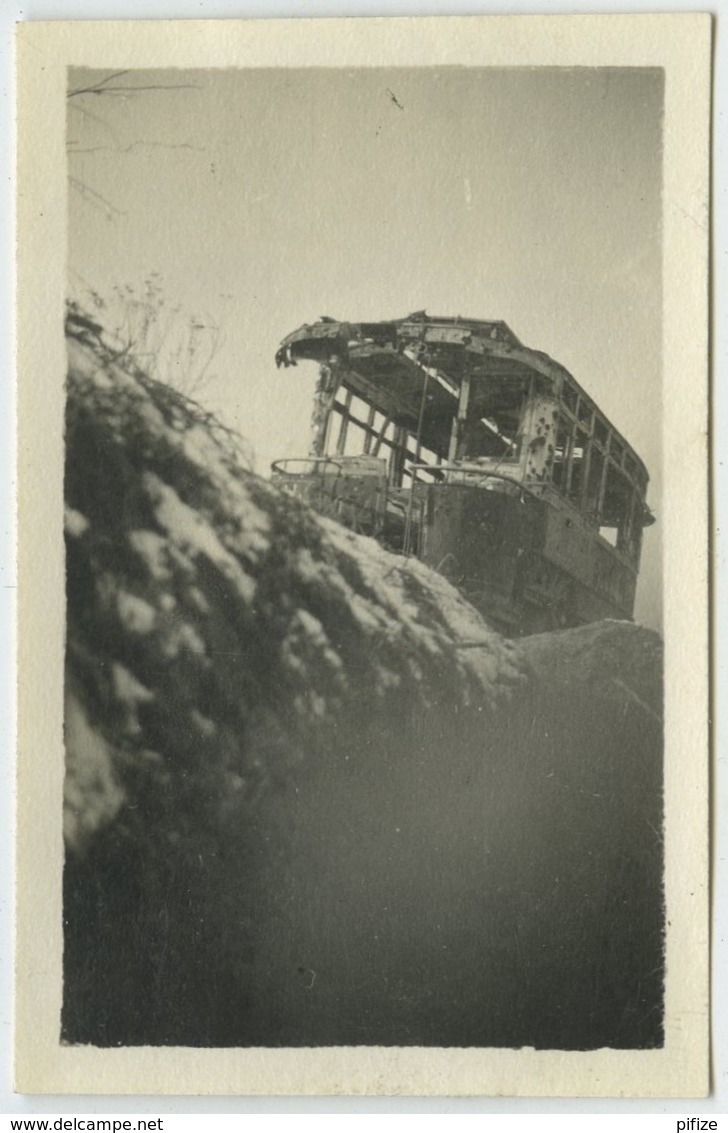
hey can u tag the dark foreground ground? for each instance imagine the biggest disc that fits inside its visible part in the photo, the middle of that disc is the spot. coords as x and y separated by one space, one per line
298 812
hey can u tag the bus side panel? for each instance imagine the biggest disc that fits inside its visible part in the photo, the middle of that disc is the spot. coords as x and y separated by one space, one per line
527 564
480 541
605 584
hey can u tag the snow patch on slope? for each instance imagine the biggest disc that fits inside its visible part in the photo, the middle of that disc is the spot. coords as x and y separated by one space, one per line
189 531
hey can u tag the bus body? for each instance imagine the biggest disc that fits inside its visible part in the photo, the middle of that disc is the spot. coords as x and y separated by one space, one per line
447 439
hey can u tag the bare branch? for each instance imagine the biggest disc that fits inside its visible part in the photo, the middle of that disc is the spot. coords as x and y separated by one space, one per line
97 88
101 88
93 197
135 145
95 118
159 86
104 87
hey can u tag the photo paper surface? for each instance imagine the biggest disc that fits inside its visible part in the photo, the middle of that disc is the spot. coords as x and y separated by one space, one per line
363 697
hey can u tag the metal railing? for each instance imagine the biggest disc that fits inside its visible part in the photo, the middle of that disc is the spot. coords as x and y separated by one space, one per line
281 467
324 482
470 473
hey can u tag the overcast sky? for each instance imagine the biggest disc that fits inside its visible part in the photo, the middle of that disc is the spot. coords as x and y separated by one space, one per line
265 199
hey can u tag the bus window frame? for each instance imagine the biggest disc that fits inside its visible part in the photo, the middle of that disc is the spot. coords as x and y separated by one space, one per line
580 421
613 452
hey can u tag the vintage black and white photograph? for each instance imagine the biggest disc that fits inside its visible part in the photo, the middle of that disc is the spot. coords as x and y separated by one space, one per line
365 523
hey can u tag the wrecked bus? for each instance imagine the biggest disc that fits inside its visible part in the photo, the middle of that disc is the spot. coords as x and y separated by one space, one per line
449 440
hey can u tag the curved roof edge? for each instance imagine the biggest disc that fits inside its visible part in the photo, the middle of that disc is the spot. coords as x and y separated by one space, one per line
329 340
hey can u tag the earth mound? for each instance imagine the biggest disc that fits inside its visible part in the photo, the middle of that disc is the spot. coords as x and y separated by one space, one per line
301 807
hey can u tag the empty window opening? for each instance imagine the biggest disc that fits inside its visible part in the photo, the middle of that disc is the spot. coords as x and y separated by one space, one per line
585 414
569 397
616 507
493 430
485 439
601 431
616 450
578 465
426 456
560 465
355 440
594 482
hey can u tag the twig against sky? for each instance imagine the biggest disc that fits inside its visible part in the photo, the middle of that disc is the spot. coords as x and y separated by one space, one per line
102 87
135 145
94 197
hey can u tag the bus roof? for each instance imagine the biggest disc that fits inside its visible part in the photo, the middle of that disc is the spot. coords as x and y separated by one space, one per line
385 363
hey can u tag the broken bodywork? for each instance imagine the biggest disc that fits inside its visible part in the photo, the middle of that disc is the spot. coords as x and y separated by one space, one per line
448 439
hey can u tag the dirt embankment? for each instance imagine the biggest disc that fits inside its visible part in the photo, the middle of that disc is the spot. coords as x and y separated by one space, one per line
297 810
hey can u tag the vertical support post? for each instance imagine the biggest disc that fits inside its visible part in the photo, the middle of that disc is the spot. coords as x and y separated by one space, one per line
587 470
423 404
413 479
341 442
326 388
570 430
458 425
378 442
370 425
603 486
395 458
